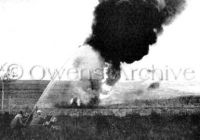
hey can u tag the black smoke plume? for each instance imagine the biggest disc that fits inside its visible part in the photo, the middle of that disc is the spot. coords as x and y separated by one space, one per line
123 30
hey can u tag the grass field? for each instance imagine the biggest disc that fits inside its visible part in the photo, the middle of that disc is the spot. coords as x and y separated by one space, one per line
176 118
99 127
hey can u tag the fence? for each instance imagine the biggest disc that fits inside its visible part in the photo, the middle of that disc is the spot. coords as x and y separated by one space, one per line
15 104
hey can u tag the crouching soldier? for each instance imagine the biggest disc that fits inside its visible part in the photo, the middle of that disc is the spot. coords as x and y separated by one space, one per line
17 125
53 124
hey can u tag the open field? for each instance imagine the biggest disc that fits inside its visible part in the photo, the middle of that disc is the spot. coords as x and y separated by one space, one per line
144 118
24 94
178 105
167 119
134 126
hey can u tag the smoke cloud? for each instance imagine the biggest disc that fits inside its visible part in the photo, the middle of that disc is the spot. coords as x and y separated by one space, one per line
123 30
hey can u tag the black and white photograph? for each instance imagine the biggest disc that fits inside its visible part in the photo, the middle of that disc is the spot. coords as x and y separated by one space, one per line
99 70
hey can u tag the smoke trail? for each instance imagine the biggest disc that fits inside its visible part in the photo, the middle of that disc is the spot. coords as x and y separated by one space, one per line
123 30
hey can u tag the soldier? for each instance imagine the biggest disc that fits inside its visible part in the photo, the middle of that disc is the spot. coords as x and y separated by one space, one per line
17 125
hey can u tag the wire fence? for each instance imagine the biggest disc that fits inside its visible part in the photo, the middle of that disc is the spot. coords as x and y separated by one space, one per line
15 104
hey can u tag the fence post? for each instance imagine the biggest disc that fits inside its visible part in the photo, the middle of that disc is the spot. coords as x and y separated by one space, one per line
2 95
9 102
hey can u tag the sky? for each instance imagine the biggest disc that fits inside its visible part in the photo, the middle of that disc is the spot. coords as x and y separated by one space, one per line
47 33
